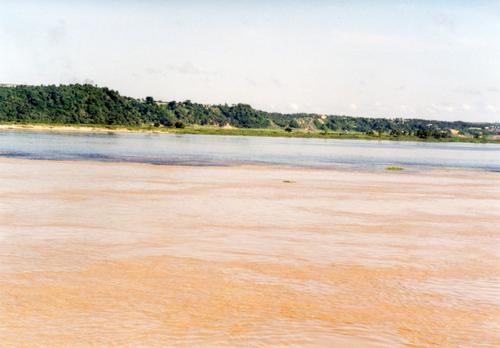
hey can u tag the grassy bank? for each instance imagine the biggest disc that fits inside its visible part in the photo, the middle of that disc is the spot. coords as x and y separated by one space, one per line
211 130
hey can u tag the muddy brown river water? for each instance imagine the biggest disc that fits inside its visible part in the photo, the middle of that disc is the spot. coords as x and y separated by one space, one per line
127 255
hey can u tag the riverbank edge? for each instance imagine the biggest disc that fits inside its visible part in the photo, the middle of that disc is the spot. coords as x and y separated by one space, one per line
210 130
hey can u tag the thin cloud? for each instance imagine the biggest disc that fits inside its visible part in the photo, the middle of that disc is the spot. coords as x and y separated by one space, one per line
57 34
188 68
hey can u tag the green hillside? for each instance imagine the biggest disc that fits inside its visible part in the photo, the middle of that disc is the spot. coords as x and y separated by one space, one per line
90 105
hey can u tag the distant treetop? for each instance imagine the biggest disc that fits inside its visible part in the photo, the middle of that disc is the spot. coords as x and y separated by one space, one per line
87 104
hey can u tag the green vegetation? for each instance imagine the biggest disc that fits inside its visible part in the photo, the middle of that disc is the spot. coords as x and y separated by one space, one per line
394 168
102 107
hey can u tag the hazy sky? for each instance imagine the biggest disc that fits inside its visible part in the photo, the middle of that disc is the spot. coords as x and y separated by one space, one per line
431 59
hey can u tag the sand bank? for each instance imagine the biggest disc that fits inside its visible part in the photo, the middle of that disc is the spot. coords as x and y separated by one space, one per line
117 254
232 131
75 128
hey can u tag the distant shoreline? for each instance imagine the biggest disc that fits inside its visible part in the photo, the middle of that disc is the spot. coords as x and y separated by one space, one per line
211 130
92 108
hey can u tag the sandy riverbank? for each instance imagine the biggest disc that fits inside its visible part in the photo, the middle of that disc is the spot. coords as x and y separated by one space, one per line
231 131
119 254
84 129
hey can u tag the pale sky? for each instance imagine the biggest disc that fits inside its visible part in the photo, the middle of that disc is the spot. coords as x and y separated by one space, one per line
427 59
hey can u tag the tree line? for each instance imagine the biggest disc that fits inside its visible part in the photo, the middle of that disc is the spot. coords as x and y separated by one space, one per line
90 105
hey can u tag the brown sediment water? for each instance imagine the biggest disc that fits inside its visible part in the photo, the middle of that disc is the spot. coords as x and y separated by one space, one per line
120 254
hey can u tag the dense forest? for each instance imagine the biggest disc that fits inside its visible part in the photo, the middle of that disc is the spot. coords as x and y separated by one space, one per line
91 105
